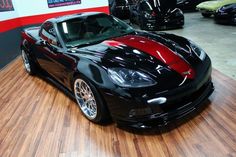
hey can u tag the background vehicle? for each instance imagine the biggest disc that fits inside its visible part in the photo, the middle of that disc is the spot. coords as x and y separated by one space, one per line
188 5
208 8
120 8
226 14
154 14
140 79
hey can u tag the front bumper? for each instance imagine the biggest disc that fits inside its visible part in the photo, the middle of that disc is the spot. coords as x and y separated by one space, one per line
145 111
224 18
187 107
206 11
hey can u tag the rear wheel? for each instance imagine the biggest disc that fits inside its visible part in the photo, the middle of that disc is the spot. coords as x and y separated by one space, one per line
28 63
90 101
206 15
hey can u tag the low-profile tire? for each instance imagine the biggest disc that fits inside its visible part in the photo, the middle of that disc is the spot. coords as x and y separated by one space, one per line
89 101
28 62
207 15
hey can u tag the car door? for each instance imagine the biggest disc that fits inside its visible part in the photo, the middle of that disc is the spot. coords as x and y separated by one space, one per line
51 56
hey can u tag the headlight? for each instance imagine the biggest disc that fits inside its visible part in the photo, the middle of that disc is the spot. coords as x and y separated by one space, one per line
130 78
198 51
221 11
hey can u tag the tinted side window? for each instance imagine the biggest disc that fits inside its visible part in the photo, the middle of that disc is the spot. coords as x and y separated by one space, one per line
48 34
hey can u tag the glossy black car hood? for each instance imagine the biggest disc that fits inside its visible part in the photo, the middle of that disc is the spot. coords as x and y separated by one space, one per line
180 64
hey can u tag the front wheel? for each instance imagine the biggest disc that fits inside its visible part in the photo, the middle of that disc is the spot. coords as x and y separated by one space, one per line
28 63
90 101
207 15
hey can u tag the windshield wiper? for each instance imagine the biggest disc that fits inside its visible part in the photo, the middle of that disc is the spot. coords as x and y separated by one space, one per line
81 45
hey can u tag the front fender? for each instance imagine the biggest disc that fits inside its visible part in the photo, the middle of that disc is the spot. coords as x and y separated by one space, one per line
94 72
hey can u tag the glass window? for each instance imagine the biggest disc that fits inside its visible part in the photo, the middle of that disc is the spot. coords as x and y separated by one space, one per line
96 28
48 34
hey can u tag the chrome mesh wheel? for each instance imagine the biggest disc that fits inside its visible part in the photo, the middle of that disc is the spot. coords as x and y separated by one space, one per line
85 99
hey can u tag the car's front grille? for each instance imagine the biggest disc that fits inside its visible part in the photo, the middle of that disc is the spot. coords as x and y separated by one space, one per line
185 100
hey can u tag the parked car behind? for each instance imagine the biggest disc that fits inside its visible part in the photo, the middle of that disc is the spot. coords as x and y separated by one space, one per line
226 14
120 8
156 14
208 8
188 5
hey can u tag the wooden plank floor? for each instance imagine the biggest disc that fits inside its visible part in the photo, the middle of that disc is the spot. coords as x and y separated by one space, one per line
36 119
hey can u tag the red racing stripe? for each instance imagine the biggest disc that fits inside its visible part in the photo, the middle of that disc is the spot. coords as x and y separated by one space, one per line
159 51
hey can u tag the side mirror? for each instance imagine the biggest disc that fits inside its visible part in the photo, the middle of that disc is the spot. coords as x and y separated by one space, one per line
44 43
54 49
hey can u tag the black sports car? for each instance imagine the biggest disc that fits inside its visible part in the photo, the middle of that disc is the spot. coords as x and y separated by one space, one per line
137 78
226 14
120 8
155 15
188 5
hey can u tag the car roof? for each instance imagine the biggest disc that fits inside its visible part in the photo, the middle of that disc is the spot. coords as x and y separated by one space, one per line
72 16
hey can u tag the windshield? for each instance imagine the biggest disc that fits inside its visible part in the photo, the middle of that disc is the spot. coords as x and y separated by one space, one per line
96 28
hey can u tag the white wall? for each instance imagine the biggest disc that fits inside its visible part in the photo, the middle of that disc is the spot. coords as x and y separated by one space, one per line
9 14
36 7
